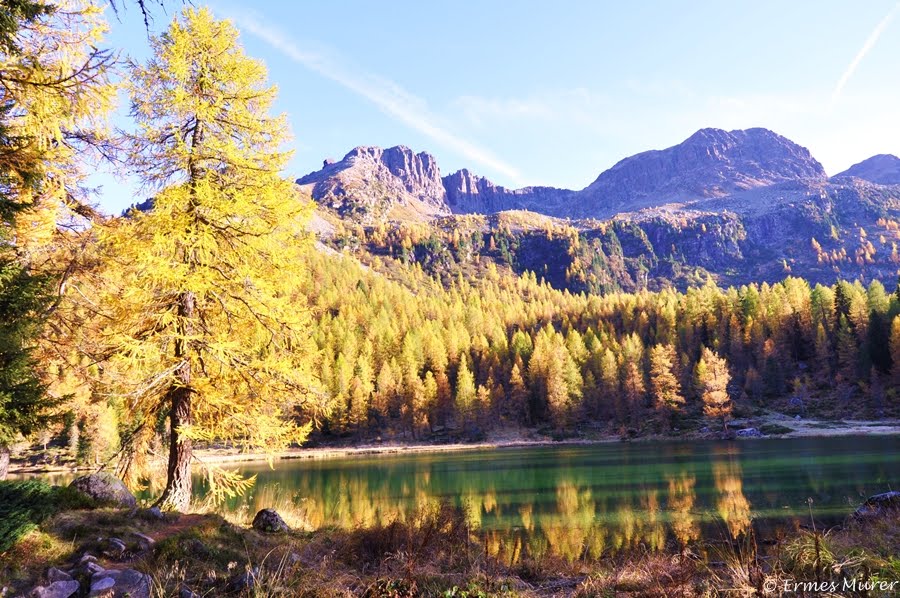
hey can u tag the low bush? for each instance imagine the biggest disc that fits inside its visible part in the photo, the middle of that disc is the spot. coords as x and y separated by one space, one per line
25 504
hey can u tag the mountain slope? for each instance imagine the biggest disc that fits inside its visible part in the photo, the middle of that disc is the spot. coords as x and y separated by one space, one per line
740 206
710 163
883 169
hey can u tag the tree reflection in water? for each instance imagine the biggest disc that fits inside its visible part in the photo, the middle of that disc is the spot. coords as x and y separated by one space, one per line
732 505
510 524
682 498
581 502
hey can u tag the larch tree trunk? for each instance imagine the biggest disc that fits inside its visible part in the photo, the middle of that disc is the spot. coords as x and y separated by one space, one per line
177 494
4 461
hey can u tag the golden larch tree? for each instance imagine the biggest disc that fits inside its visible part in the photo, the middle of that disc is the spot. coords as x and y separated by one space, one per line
54 95
207 325
664 385
712 378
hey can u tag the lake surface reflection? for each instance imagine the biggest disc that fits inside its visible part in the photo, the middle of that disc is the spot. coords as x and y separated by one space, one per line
587 500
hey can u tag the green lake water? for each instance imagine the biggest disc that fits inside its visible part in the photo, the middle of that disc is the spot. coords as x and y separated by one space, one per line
587 500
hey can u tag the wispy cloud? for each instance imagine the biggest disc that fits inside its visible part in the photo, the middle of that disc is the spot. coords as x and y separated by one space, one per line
389 97
866 48
577 105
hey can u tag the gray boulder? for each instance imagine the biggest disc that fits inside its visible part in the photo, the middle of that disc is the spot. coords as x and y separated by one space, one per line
151 514
120 584
270 522
103 585
85 569
54 574
749 433
143 541
242 582
57 589
105 488
114 548
879 504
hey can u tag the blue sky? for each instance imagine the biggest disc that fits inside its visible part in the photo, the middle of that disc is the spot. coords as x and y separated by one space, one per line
554 93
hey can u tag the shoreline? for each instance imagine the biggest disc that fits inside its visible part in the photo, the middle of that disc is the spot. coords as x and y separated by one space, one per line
218 456
803 429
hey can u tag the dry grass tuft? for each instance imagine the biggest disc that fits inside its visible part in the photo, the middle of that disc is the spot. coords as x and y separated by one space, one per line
652 575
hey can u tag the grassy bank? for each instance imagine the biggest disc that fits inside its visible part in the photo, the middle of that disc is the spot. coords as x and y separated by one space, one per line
432 553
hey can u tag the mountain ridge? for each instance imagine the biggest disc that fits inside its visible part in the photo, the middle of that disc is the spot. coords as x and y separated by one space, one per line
711 163
740 206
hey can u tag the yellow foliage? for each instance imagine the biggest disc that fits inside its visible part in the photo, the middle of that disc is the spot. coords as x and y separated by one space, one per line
201 298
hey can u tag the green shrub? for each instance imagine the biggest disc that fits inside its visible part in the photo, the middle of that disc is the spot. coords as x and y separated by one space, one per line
25 504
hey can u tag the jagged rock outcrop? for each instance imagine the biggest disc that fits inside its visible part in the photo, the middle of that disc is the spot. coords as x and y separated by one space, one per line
469 193
883 169
709 163
371 183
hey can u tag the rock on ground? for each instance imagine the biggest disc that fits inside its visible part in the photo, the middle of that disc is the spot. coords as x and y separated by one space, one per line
57 589
119 584
143 541
749 433
151 514
242 582
269 521
878 504
114 548
105 488
54 574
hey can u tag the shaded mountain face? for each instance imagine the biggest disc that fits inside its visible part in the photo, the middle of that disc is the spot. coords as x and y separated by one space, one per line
883 169
819 231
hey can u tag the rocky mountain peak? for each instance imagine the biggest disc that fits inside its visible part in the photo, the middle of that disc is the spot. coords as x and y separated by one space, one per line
882 169
465 182
709 163
418 173
372 182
